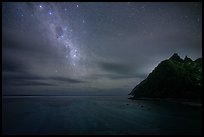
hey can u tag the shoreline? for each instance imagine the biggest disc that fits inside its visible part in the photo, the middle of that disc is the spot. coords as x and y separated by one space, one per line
190 102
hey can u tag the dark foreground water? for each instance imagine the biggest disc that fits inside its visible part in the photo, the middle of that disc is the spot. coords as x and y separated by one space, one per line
97 115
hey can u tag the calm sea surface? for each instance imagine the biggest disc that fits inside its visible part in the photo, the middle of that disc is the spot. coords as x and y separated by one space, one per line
106 115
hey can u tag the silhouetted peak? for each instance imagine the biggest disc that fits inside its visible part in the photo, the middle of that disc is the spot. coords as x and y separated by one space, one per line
198 60
187 59
173 78
175 57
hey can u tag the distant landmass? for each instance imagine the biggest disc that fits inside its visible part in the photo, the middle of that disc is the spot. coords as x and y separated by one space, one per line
173 78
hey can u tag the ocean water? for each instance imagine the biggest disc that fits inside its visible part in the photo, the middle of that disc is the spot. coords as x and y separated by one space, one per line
90 115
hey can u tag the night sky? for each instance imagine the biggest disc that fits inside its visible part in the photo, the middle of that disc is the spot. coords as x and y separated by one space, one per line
92 48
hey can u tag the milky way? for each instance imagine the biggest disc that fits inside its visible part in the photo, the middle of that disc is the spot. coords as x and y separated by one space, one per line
72 47
59 32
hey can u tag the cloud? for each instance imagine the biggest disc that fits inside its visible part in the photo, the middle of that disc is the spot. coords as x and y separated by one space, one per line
16 73
65 79
21 76
117 68
117 76
30 83
27 44
29 79
113 77
12 65
115 71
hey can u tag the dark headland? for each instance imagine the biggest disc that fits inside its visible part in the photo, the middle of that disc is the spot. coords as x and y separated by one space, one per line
173 79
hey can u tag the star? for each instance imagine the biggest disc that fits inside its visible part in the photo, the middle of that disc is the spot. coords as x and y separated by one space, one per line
65 29
50 13
143 7
77 6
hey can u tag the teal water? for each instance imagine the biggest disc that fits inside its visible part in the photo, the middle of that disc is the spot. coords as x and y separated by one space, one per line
106 115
